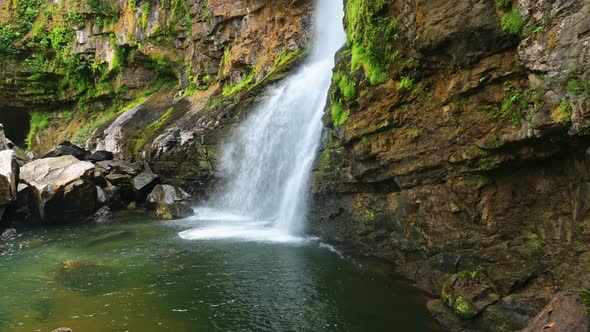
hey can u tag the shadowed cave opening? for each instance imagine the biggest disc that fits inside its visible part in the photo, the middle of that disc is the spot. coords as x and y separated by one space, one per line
16 124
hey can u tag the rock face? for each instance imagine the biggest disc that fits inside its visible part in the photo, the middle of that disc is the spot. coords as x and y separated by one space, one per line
566 312
169 202
457 140
61 187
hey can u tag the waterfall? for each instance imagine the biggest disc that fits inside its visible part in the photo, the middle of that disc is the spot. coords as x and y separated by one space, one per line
268 160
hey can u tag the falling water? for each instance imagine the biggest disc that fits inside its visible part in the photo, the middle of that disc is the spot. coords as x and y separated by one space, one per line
267 162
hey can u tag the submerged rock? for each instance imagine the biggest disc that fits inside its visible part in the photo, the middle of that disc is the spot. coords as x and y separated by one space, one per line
102 216
61 189
169 202
63 329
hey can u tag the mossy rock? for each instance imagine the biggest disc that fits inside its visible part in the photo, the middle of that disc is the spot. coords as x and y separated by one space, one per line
468 293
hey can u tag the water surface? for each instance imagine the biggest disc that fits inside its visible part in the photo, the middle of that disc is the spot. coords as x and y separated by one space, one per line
140 275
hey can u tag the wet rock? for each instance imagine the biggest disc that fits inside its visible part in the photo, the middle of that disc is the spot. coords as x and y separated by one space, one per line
118 179
169 202
8 234
101 196
101 155
468 293
102 216
62 191
143 184
566 312
66 148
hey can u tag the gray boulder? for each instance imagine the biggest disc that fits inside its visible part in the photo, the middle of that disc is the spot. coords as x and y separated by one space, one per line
169 202
9 178
61 188
143 184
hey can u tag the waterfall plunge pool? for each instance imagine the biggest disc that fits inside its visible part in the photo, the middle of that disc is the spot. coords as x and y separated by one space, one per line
140 275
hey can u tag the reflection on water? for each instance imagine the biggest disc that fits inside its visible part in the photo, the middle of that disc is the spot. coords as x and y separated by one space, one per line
141 276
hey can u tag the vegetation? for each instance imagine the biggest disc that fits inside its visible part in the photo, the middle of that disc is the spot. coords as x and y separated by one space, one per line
585 295
563 113
472 275
345 85
370 35
579 87
512 20
514 104
145 14
339 115
21 22
152 130
38 121
231 89
406 83
103 7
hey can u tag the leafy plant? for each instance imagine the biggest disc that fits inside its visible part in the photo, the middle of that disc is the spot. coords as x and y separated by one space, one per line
406 83
513 21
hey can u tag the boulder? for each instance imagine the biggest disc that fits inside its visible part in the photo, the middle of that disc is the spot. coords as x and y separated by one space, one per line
61 188
468 293
117 179
101 155
9 177
169 202
66 148
143 184
3 140
101 196
566 312
102 216
125 167
98 176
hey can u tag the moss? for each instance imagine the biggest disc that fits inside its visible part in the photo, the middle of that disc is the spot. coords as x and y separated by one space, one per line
563 113
406 83
39 121
145 15
339 115
585 295
345 85
578 87
412 133
513 21
464 308
504 4
132 4
472 275
370 33
231 89
151 130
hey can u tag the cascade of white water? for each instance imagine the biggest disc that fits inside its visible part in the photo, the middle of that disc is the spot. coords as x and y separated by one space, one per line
267 162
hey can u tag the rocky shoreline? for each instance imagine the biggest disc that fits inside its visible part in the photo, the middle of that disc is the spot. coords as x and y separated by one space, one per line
71 185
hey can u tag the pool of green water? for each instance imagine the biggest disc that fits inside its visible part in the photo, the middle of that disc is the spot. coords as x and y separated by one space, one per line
139 275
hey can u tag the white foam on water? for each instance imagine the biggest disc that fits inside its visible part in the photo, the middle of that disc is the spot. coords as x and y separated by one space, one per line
267 161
